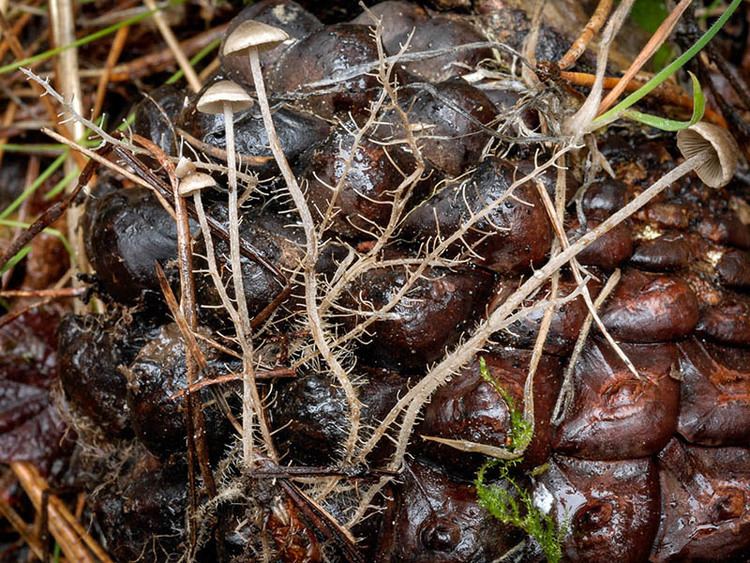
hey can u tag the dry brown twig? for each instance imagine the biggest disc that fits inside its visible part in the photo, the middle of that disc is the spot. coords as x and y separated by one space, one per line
657 39
592 27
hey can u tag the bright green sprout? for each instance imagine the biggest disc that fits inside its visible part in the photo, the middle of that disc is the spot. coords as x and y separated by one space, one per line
521 430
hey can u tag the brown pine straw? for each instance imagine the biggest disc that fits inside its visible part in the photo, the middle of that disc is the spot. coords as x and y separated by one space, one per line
591 28
118 44
18 523
75 542
656 41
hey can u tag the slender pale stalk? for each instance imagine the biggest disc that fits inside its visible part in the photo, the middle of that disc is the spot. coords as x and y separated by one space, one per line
311 305
249 391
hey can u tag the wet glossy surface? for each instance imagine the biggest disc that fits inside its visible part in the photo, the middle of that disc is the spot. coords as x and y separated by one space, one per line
91 351
312 415
283 14
705 504
157 415
514 236
615 415
650 308
141 515
296 131
469 408
715 394
328 54
567 320
127 231
368 176
434 518
612 508
446 120
429 318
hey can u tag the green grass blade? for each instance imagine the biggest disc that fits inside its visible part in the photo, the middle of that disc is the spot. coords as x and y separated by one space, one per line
198 57
80 42
62 184
667 71
49 230
28 192
20 255
699 108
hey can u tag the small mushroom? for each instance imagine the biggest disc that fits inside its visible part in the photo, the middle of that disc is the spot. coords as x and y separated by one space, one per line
228 97
251 37
711 150
194 183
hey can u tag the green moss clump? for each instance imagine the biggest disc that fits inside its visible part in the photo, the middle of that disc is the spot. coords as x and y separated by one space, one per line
514 505
510 503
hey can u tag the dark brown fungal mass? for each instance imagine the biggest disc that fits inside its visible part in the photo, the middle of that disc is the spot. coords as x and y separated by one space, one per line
711 486
651 308
638 413
382 322
436 518
470 408
419 327
612 507
157 411
515 235
352 188
127 231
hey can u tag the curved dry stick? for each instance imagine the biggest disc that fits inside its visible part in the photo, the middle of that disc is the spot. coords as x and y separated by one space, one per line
591 28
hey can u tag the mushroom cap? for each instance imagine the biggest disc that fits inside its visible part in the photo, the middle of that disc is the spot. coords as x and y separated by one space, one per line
719 169
253 34
184 167
224 92
195 182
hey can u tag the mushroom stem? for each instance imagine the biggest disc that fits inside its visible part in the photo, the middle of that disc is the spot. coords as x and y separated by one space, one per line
311 299
249 391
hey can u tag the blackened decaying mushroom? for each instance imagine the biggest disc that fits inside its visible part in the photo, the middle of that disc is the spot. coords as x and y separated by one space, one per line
273 240
328 54
296 131
126 232
91 351
447 122
705 504
440 32
714 402
637 414
155 115
353 186
435 518
312 417
611 507
142 514
155 380
469 408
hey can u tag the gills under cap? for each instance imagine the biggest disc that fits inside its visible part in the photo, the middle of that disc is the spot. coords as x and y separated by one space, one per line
721 165
195 182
